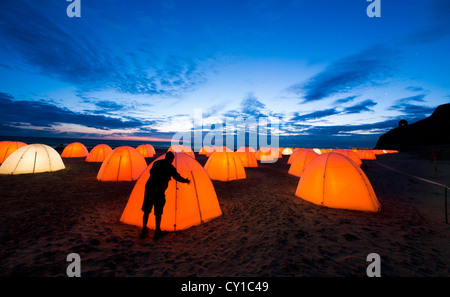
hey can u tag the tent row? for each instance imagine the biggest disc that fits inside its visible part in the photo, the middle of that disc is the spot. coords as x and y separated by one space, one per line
329 179
100 151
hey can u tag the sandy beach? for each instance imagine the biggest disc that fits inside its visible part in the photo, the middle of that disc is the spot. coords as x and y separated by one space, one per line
265 230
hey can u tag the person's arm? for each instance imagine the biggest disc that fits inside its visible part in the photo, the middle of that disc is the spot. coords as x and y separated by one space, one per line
176 176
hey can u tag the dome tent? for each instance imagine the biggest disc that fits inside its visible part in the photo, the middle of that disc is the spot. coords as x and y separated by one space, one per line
75 150
225 166
248 158
205 150
246 149
33 158
218 149
179 148
301 161
147 150
287 151
294 155
334 181
266 155
351 155
9 147
366 155
186 205
99 153
122 164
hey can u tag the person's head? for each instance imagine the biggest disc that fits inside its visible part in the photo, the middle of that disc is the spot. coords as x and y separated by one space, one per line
169 157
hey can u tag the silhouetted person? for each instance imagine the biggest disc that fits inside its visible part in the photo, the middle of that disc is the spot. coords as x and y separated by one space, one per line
161 173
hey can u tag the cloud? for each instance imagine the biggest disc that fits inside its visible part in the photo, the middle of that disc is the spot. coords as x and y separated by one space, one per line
74 52
416 98
314 115
360 107
345 100
252 106
364 106
44 114
415 89
343 129
213 110
413 111
437 28
367 68
109 105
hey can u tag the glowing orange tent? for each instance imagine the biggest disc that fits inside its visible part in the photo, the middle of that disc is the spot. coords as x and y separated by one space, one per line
248 158
218 149
33 158
366 155
186 205
147 150
267 155
300 163
99 153
351 155
294 155
333 180
225 166
75 150
205 150
246 149
181 149
8 147
122 164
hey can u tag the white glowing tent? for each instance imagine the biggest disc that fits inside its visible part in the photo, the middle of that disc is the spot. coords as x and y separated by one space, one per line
33 158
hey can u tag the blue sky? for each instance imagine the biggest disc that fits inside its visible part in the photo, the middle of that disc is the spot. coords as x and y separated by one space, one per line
139 69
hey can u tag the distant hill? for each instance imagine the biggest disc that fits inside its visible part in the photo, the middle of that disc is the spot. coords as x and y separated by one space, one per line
434 130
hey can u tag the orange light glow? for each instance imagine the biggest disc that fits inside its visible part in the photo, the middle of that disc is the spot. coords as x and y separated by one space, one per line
366 155
122 164
246 149
205 150
351 155
75 150
181 149
186 204
300 163
8 147
99 153
248 158
225 166
334 181
147 150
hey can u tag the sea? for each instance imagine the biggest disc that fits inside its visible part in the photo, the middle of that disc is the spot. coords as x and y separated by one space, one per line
316 142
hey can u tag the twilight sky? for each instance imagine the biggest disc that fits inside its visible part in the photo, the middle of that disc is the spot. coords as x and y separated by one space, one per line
139 69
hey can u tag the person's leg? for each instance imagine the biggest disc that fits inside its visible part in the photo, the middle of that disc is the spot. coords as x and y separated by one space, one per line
158 213
144 223
158 222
